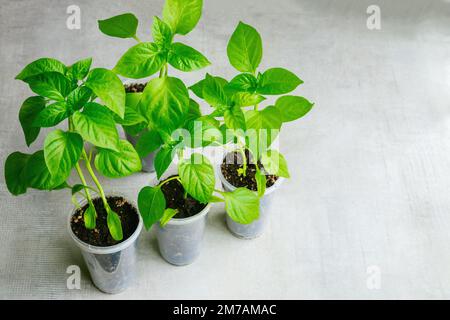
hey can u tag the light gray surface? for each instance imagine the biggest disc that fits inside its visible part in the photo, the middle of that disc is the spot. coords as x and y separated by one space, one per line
370 164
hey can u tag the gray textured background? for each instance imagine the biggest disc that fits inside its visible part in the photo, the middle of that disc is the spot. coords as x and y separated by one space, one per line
370 164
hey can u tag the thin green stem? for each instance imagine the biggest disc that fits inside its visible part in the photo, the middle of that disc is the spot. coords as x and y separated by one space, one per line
255 107
244 161
135 37
94 178
170 179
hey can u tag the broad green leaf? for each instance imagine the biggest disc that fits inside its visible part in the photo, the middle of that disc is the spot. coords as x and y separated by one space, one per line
163 159
28 113
80 69
293 107
168 214
197 177
260 183
242 205
185 58
194 111
151 203
62 150
78 98
132 99
245 48
234 118
108 87
90 217
131 118
244 82
52 115
15 165
134 130
277 81
38 176
141 61
165 103
52 85
198 87
121 26
117 164
203 131
114 224
274 163
182 15
245 99
148 142
162 34
96 125
214 93
40 66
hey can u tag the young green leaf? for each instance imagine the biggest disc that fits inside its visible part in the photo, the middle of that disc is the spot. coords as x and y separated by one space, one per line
96 125
162 34
148 142
168 214
114 224
80 69
108 87
245 99
260 183
52 115
244 82
117 164
165 102
214 93
242 205
182 15
151 203
28 113
193 111
38 176
15 165
234 118
141 61
185 58
245 48
274 163
90 216
293 107
131 118
62 150
203 132
197 177
40 66
278 81
163 159
78 98
52 85
121 26
198 87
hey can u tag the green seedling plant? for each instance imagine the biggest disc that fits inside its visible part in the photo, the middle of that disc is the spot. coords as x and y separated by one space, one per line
237 103
69 94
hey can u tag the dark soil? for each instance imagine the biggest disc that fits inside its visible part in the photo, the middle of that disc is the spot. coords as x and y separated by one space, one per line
233 162
134 87
100 236
174 193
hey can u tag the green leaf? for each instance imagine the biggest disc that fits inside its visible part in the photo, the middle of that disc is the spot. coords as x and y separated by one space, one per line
52 85
131 118
242 205
78 98
194 111
38 176
197 177
198 87
40 66
132 99
274 163
15 165
185 58
234 118
245 99
52 115
148 142
151 203
203 131
245 48
260 183
165 102
214 93
96 125
80 69
277 81
244 82
117 164
114 224
215 199
141 61
62 150
293 107
28 113
168 214
163 159
121 26
108 87
90 217
162 34
182 15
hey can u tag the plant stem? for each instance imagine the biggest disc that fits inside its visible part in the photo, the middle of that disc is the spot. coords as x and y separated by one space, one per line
244 161
170 179
135 37
94 178
255 107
